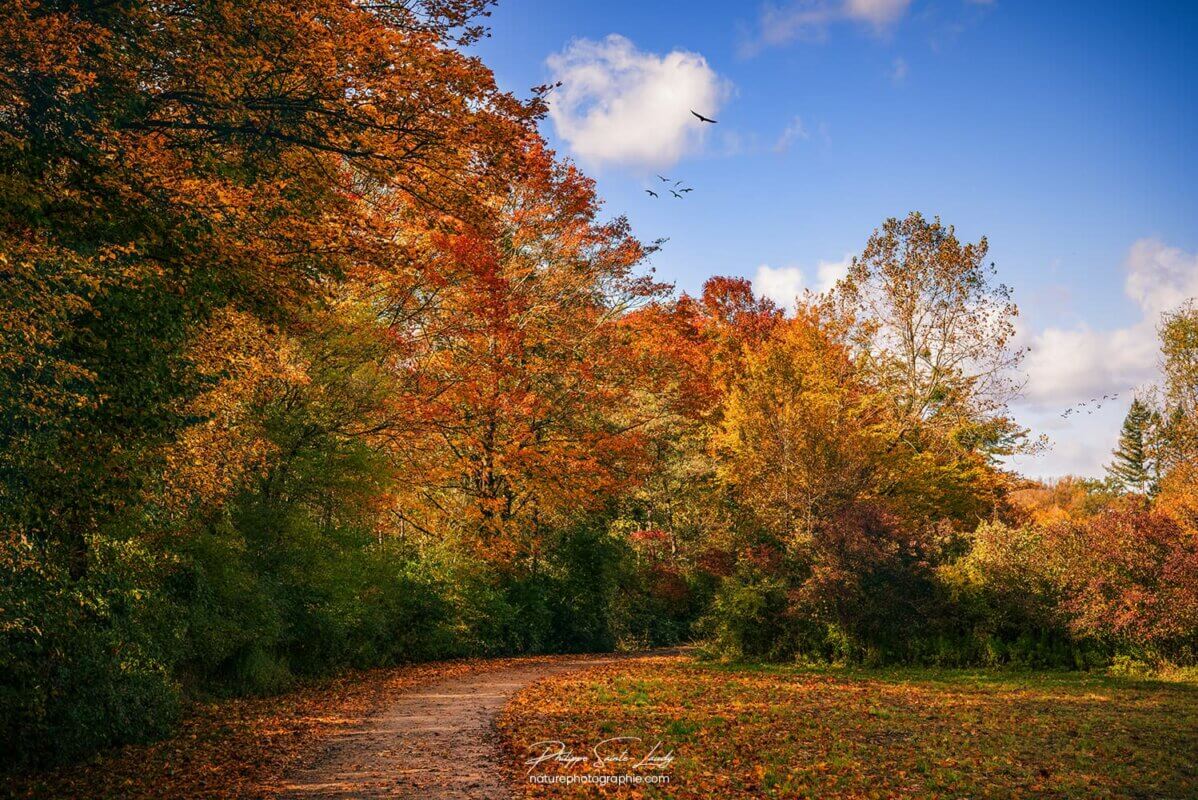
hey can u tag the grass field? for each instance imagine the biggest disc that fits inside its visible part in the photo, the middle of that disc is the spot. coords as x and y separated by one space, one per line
790 732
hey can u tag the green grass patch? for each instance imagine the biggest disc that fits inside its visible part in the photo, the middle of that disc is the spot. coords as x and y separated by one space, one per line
777 731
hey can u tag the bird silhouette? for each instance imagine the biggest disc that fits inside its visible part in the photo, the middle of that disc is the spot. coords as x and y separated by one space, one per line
702 118
687 189
676 194
1092 405
664 179
651 192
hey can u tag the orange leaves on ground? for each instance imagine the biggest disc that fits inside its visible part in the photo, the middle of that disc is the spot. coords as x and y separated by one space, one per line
241 748
790 732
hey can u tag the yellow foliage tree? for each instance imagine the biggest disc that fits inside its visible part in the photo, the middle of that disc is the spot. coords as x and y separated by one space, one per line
801 435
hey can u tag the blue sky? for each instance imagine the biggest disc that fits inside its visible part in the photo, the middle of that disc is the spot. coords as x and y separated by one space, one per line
1065 132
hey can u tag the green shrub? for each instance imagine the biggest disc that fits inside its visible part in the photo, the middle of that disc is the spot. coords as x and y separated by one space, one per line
748 619
270 591
84 662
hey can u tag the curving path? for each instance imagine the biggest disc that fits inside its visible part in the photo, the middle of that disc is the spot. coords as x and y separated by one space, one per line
434 742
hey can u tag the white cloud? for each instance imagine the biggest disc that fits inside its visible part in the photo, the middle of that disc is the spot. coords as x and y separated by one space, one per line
620 105
794 131
829 272
1067 366
810 19
1072 364
1082 446
1160 278
784 284
876 12
780 284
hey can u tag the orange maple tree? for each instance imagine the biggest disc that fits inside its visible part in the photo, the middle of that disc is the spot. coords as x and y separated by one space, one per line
166 161
521 367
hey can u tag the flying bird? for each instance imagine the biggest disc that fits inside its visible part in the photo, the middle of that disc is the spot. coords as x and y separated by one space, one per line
651 192
664 179
702 118
676 194
687 189
1092 405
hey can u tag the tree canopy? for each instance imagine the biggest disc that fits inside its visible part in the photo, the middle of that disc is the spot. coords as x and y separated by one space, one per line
314 355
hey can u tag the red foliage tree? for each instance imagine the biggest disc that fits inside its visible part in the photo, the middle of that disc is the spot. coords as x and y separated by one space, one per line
1134 579
523 377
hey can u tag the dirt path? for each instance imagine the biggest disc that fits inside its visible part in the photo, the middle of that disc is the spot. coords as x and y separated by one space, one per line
434 742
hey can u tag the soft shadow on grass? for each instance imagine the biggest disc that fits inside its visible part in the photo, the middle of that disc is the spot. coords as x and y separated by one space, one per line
1180 680
785 731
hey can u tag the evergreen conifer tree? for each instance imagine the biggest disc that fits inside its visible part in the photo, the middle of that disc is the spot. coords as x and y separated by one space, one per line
1131 468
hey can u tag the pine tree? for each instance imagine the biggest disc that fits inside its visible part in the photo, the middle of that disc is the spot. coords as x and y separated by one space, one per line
1131 469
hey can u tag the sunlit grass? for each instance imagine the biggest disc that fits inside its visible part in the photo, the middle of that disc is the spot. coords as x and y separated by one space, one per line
785 731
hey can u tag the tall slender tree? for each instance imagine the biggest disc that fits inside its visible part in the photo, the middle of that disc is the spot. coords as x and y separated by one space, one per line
935 330
1179 363
1177 445
526 379
1131 469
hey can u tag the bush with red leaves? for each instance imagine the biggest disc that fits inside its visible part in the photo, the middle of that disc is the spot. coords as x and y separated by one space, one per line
1134 582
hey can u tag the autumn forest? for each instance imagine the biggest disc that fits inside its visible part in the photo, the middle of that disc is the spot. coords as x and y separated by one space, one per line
316 358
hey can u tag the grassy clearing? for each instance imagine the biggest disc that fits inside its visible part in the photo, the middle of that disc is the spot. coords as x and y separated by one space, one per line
791 732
